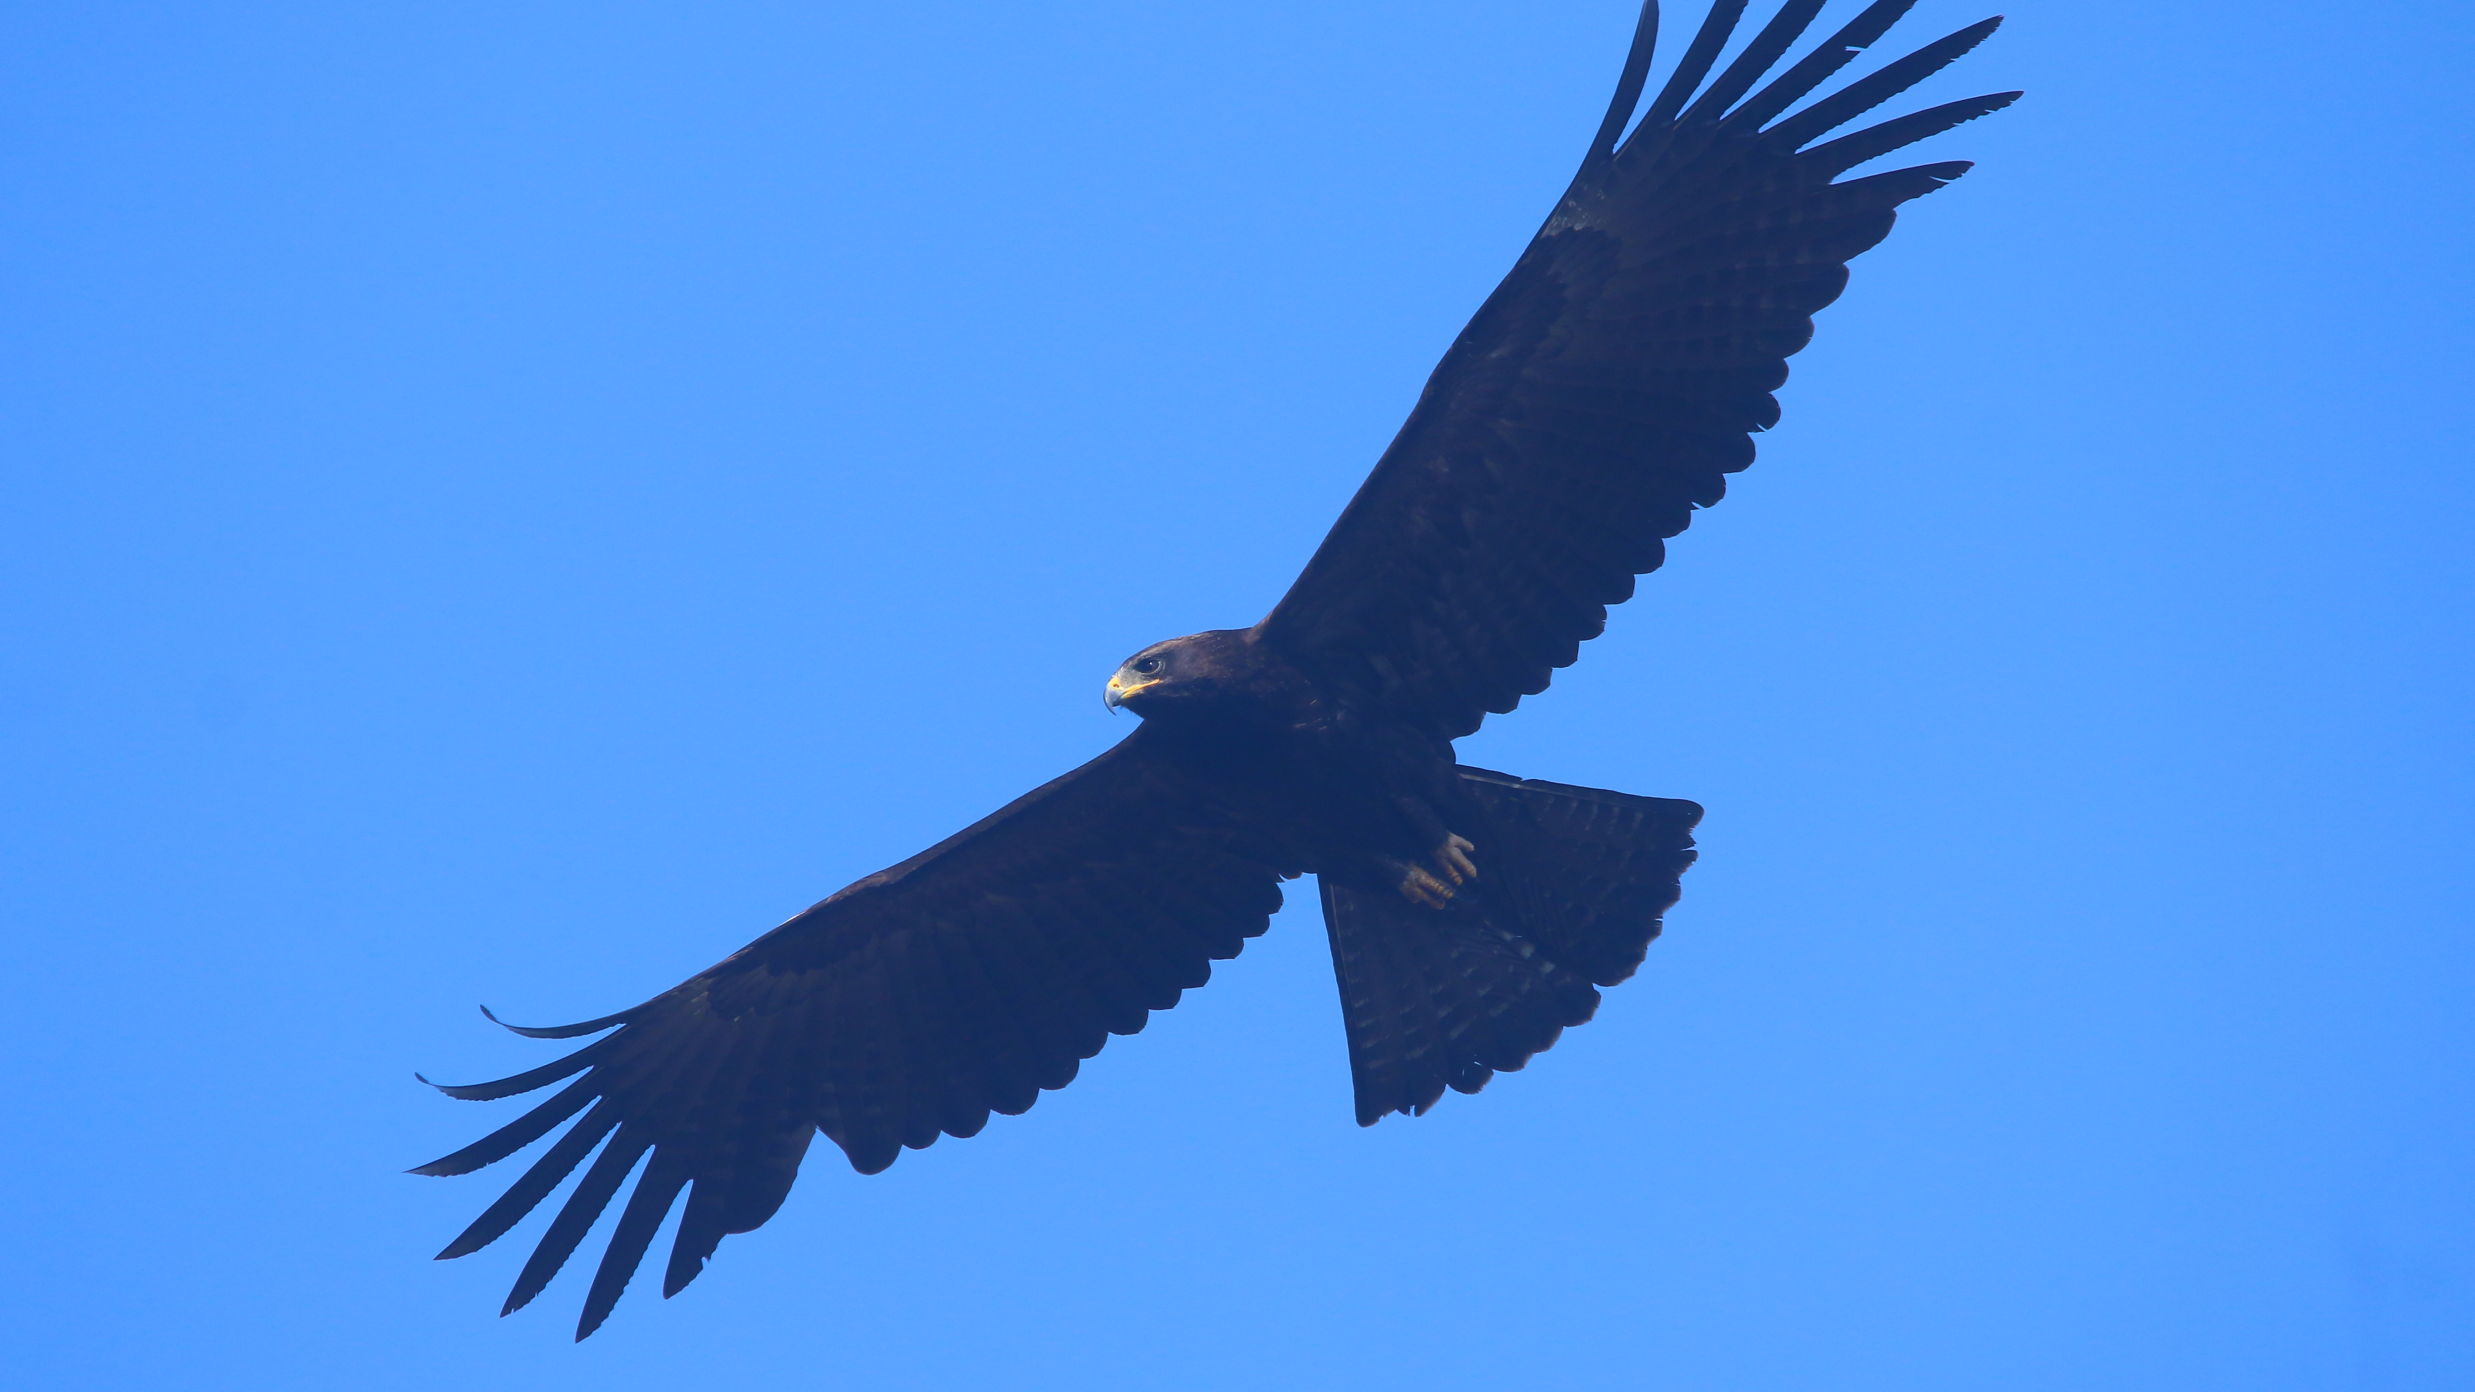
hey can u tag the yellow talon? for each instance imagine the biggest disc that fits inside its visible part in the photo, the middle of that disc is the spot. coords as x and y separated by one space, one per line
1420 886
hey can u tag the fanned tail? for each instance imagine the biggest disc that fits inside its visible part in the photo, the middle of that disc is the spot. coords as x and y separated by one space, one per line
1571 885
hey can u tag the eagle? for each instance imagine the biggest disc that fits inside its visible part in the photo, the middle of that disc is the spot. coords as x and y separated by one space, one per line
1603 392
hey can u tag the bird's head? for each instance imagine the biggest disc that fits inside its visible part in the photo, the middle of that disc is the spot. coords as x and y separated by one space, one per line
1181 672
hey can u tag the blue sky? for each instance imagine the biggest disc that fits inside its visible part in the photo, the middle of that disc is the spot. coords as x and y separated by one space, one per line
507 502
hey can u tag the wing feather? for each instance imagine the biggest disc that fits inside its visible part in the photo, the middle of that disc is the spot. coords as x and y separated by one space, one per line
1767 48
1817 67
656 1190
523 1196
1872 90
575 1218
1696 63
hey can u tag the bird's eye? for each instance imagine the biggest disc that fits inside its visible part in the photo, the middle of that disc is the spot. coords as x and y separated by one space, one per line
1147 665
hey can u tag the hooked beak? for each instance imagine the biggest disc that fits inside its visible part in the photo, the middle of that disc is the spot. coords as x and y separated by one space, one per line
1119 689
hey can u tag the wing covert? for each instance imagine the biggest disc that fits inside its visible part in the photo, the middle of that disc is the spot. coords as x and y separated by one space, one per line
1618 374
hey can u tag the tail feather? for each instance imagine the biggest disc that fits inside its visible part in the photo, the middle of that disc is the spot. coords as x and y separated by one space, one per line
1571 885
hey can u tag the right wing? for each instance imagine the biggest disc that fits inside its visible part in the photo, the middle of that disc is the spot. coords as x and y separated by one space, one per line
961 982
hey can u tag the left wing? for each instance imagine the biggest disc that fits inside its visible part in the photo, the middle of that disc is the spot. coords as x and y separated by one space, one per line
1617 375
961 982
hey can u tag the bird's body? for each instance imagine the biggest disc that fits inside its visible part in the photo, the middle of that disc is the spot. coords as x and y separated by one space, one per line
1599 397
1359 793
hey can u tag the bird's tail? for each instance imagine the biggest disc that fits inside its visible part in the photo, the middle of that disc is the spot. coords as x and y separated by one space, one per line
1571 885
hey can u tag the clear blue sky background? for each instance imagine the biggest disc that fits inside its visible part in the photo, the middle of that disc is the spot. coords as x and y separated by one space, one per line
508 501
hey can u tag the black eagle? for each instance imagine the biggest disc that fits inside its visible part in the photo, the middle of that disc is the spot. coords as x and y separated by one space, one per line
1603 392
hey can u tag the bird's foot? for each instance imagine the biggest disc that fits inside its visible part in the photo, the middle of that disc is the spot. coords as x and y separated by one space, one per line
1434 884
1419 885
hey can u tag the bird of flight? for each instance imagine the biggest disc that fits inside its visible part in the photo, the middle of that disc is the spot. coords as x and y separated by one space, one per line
1605 390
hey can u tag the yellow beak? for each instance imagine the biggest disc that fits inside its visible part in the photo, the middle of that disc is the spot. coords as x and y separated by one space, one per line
1120 689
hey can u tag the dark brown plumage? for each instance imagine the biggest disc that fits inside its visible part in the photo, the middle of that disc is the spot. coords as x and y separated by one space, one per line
1601 394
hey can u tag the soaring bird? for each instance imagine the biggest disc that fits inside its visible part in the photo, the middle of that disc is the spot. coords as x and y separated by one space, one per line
1605 390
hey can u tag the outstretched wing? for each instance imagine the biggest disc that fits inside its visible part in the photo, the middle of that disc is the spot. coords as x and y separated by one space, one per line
1617 375
912 1004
